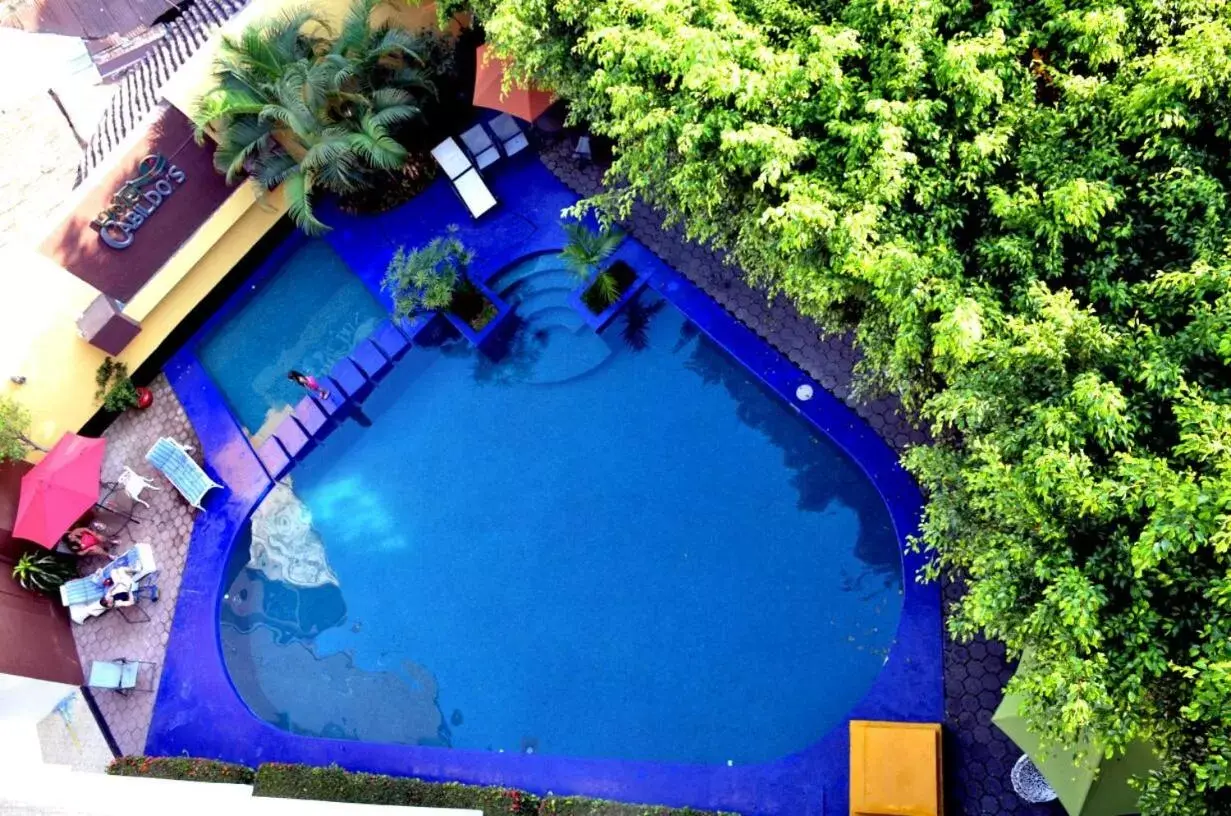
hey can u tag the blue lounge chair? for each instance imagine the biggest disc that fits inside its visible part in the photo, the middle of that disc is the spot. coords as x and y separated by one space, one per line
82 594
172 459
119 675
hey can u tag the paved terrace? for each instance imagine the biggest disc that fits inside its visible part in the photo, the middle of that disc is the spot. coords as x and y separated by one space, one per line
978 756
166 525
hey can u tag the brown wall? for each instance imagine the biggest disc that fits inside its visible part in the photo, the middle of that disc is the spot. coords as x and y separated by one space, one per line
120 273
36 638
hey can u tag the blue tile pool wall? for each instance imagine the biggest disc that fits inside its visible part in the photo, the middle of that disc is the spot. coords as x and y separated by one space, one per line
198 711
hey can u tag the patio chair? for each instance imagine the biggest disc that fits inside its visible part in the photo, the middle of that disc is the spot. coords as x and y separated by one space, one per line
512 139
583 154
133 483
172 460
83 596
464 177
481 146
121 676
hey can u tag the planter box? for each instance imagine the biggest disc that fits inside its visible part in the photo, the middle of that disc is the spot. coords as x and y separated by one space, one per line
599 321
480 336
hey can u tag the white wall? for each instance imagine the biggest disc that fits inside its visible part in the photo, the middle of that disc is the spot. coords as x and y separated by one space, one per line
29 700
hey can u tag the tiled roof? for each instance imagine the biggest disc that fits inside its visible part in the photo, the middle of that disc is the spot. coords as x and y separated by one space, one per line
138 89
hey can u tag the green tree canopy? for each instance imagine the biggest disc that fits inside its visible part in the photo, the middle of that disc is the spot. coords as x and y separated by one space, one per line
14 425
1020 209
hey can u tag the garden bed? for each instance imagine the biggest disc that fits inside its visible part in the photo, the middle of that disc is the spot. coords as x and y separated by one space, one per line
333 784
591 305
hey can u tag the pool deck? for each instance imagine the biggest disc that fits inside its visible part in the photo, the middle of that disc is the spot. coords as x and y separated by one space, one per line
978 777
166 525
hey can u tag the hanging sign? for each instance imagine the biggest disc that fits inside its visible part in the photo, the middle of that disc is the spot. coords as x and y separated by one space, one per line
136 200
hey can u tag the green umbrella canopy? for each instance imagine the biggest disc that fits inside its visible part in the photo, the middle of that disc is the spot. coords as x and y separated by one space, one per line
1093 787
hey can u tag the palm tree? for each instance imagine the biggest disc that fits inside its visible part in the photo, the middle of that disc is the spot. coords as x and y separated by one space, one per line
296 108
586 250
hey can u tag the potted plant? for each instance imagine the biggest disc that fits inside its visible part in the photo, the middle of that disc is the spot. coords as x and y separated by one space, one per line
436 277
42 572
116 391
584 252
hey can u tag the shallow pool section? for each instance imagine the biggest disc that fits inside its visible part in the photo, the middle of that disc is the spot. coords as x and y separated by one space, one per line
306 316
606 546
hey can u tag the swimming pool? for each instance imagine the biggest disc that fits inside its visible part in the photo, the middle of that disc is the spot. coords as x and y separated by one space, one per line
307 311
616 545
310 620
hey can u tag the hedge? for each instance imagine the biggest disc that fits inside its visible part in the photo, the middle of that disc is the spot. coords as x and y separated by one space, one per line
336 785
193 770
333 784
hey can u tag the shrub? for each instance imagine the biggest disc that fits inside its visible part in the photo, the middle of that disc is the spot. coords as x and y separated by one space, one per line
295 106
14 425
436 276
114 389
183 768
581 806
336 785
43 572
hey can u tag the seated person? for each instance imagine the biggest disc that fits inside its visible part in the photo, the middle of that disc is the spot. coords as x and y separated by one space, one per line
84 541
120 589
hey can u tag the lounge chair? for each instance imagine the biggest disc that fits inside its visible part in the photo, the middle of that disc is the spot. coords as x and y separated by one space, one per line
83 596
583 154
133 483
481 146
896 769
119 675
512 139
172 460
464 176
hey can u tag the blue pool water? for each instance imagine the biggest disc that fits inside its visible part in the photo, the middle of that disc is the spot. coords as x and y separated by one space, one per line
308 315
616 545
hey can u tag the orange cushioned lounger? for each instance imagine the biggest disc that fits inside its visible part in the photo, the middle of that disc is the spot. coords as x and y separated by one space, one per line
896 769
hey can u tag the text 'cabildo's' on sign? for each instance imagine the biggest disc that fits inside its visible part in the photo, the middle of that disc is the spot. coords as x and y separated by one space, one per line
136 201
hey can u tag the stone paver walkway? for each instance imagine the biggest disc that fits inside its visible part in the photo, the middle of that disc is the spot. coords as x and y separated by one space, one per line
977 755
167 525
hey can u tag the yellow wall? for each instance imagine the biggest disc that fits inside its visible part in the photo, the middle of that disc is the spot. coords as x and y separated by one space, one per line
41 302
38 331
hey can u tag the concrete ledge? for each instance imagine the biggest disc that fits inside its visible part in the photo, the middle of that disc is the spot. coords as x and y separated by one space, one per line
370 360
390 340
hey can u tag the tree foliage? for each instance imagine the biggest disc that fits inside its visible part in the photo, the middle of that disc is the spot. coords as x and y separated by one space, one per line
297 107
1020 210
14 425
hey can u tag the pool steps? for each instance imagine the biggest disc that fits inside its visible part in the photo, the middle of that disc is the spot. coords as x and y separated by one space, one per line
546 299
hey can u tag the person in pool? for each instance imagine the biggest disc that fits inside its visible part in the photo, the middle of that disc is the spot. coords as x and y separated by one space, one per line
309 382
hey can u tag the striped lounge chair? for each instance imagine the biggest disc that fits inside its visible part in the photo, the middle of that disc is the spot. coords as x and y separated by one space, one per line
172 460
82 596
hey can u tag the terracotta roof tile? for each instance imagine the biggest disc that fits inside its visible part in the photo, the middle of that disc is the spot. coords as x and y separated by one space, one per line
140 83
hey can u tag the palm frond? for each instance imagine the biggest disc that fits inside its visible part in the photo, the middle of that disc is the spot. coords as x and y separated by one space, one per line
298 192
390 40
377 147
585 249
243 139
274 167
386 117
356 27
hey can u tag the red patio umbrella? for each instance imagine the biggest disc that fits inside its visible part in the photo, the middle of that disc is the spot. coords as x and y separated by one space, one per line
524 103
59 489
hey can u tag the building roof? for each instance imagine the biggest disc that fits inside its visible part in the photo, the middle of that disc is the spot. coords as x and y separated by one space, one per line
138 88
89 19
